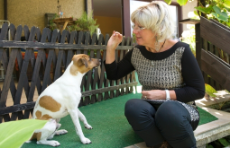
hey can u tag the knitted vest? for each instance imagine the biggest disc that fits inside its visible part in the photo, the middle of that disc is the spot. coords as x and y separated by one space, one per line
159 74
162 74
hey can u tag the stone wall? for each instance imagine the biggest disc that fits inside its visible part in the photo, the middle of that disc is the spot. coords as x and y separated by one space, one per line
32 12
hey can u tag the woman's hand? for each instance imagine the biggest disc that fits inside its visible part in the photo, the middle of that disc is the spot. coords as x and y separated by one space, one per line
114 40
154 94
112 44
158 95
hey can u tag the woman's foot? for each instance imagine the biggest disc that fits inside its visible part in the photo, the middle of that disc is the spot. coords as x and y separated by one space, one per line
165 145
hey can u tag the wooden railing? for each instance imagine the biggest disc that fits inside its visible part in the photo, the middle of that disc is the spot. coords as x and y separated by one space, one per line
213 53
46 56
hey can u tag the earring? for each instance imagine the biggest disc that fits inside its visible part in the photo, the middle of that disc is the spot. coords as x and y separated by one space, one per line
157 45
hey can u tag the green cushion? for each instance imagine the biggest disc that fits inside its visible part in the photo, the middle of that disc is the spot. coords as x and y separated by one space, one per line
110 127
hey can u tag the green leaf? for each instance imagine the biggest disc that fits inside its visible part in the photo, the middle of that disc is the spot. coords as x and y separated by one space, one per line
221 16
182 2
215 15
205 10
227 91
210 90
228 23
224 14
224 142
209 146
227 3
14 133
168 1
217 9
195 12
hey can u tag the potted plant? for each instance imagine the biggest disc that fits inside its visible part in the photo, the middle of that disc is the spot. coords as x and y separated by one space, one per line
84 23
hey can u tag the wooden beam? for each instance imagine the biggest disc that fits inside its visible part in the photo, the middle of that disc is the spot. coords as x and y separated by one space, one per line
126 18
35 44
215 67
215 33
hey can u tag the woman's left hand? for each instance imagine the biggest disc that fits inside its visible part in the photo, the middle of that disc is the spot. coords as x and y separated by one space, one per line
154 94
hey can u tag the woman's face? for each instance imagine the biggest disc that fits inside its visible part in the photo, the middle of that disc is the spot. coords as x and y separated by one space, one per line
144 37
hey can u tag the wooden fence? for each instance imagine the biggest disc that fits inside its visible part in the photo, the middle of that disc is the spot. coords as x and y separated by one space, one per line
213 53
46 56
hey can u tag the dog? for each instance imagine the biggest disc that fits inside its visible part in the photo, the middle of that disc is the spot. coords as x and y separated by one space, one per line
61 98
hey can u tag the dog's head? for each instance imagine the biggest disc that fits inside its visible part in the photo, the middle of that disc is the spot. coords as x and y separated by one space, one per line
83 63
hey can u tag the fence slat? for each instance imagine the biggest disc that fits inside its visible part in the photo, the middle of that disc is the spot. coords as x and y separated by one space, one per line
106 81
23 80
4 31
102 67
51 58
87 77
10 68
91 73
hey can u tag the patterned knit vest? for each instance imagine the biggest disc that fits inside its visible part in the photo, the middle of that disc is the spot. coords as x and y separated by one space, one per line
162 74
159 74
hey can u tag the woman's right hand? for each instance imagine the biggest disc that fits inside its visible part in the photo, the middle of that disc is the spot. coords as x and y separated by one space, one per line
112 44
114 41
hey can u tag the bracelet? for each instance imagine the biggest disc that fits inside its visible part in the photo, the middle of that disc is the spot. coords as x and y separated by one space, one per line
167 94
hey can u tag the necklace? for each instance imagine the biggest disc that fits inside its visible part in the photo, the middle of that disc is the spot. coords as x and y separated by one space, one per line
162 44
157 49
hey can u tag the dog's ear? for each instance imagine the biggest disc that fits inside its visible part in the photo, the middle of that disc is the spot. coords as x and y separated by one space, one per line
84 61
80 62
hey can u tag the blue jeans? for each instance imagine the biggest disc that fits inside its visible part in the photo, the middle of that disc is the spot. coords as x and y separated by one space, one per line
169 122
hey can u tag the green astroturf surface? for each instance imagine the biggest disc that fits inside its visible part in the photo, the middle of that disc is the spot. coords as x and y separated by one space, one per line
205 117
110 127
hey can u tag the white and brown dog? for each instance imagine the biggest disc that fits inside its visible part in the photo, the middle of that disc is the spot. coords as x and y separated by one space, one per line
61 98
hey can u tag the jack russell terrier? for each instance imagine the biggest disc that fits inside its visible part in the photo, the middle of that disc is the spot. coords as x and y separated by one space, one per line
61 98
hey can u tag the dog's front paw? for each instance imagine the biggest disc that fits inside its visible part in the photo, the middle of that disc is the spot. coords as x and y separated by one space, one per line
61 132
88 126
51 142
85 141
54 143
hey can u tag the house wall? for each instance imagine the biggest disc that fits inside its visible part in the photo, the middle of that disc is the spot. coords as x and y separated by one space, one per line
108 24
32 12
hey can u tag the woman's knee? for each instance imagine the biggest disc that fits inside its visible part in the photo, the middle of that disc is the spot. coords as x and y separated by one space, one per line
172 113
137 106
139 112
173 121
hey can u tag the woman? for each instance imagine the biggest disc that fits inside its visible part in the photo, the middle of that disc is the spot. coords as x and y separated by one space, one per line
169 74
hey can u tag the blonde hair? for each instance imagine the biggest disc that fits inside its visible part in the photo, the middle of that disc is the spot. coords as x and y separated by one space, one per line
156 17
